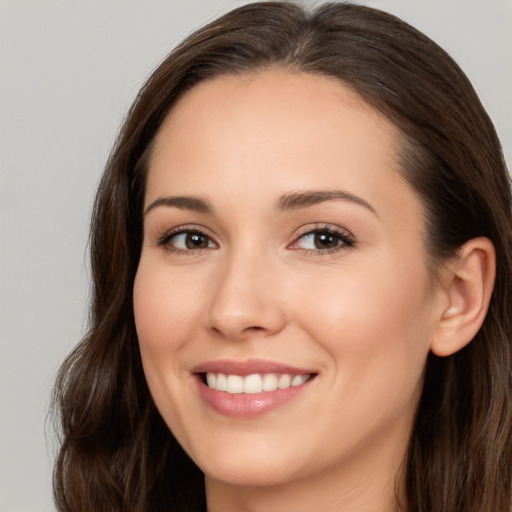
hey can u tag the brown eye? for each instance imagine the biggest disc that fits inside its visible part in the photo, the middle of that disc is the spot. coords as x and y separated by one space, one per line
189 241
325 240
196 241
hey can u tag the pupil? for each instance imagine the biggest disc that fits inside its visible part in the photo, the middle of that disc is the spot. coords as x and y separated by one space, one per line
196 241
325 241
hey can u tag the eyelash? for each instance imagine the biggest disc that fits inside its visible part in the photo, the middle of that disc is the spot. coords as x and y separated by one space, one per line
164 240
345 239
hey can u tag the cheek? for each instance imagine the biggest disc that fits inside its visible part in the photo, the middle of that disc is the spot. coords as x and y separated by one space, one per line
165 308
167 318
376 330
378 322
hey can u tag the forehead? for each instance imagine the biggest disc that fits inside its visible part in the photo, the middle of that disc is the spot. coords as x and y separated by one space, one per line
273 131
272 102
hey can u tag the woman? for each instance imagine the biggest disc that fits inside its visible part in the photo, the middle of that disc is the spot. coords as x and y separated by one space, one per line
301 252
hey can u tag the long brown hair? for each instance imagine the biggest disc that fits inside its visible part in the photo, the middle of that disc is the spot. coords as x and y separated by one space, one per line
117 454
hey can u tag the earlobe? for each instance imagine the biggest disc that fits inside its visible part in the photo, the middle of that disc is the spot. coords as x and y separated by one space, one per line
467 285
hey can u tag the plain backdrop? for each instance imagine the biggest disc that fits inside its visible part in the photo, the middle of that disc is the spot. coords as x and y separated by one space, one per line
68 72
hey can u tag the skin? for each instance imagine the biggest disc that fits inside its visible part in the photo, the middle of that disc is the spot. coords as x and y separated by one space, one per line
363 317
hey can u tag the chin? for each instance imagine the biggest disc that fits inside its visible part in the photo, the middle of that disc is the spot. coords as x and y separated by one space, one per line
243 469
249 477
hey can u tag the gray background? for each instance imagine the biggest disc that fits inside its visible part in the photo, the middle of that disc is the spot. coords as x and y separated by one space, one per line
68 71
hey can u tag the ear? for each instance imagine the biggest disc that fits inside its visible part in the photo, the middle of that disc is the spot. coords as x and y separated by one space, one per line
467 283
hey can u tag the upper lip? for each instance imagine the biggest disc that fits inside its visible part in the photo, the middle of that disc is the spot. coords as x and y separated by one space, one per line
247 367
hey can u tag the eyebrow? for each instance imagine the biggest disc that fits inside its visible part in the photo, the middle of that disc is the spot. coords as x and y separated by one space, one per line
286 202
309 198
192 203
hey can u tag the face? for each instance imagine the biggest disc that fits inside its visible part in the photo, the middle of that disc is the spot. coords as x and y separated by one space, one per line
283 304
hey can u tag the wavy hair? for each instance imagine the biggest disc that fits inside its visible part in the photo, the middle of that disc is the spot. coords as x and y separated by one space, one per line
116 452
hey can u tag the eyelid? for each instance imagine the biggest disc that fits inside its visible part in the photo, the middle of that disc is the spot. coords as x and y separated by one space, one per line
344 235
162 240
347 240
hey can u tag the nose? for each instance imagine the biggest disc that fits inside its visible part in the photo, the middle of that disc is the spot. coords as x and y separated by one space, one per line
246 301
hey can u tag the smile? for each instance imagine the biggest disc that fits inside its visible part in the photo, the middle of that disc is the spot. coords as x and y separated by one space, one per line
249 388
254 383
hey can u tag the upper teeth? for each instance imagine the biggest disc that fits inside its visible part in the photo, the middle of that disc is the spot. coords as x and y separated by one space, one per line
254 383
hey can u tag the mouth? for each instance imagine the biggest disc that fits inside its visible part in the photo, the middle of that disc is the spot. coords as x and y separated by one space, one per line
253 383
250 388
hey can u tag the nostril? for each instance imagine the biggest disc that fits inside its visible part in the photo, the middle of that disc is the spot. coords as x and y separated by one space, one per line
233 316
250 329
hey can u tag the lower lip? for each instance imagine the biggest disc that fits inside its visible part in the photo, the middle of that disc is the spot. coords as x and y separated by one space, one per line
248 405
